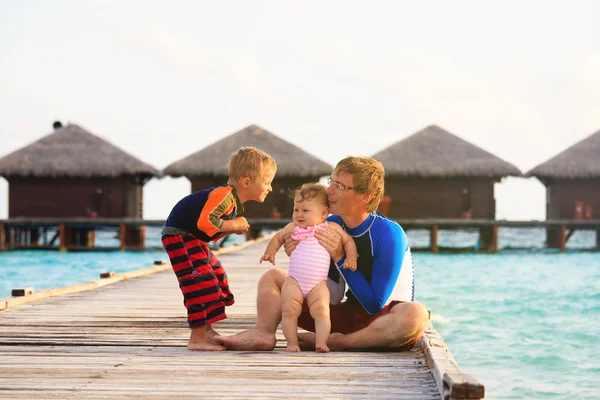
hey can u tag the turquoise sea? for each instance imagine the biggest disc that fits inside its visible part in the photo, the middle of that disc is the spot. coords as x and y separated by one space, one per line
524 322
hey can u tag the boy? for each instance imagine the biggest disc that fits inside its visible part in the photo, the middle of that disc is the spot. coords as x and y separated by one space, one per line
208 215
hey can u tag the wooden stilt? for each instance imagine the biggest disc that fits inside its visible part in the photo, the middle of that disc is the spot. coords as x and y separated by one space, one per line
563 238
433 234
62 230
553 238
11 238
494 242
2 237
123 236
488 238
598 239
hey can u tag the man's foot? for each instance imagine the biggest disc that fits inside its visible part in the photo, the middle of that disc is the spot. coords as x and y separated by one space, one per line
307 341
292 348
204 345
252 339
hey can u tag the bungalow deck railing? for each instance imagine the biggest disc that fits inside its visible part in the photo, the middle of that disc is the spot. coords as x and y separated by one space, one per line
79 233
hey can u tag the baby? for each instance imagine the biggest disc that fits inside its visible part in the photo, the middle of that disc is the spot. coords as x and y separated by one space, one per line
309 265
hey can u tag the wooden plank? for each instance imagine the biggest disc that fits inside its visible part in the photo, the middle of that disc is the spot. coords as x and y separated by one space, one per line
438 357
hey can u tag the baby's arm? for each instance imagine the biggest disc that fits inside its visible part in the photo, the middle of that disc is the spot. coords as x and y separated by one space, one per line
275 243
349 246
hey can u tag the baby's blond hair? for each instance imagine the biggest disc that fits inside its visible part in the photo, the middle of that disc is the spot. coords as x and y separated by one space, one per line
311 191
249 162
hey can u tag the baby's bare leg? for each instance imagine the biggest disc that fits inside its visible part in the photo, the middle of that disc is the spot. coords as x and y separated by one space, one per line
291 308
318 303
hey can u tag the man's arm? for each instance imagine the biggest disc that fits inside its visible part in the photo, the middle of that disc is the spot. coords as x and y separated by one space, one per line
348 244
275 243
388 252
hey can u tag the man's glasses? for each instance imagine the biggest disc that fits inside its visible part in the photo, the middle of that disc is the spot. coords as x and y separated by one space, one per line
338 186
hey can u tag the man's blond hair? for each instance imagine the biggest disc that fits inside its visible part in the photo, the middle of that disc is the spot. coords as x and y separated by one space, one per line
249 162
368 176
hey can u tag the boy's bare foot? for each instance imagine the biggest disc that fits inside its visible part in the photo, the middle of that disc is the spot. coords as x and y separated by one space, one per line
292 348
252 339
204 345
322 348
210 334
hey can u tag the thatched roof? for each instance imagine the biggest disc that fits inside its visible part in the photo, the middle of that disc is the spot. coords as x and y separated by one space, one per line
436 153
213 160
580 161
71 151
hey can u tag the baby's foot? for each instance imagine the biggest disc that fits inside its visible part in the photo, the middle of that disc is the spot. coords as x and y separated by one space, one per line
322 348
292 348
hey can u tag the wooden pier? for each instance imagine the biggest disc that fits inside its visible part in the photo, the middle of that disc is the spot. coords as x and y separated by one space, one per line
128 340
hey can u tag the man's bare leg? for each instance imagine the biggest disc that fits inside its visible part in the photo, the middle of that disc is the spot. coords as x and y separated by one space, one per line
405 323
202 338
318 304
291 308
268 310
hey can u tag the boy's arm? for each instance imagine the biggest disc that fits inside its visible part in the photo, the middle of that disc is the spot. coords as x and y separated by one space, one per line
238 225
220 201
349 246
276 242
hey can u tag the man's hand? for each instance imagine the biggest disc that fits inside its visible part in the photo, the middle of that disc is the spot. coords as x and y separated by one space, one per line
289 244
268 257
332 242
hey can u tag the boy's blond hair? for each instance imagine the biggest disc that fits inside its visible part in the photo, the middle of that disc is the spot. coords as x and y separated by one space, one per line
249 162
368 176
310 191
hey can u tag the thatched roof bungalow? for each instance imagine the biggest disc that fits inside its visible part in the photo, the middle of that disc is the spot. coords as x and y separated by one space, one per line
208 168
572 180
73 173
435 174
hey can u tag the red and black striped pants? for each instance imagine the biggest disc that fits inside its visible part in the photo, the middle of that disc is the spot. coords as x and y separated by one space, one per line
201 277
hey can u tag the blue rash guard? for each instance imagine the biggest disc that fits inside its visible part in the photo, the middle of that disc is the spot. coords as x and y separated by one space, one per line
384 265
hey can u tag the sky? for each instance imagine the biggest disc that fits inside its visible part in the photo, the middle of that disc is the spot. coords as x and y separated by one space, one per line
162 80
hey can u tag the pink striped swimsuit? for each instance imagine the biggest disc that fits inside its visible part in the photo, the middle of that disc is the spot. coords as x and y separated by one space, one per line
309 262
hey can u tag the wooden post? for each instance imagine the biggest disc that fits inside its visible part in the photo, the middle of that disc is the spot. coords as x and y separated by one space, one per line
91 238
11 238
563 238
63 237
494 243
142 237
598 239
123 236
458 385
488 238
2 237
433 234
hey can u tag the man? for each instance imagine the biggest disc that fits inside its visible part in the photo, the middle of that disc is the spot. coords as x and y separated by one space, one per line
364 321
